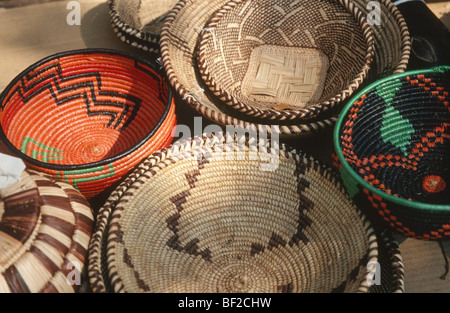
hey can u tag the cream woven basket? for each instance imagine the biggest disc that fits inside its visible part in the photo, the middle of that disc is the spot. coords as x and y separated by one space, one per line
283 60
210 215
185 23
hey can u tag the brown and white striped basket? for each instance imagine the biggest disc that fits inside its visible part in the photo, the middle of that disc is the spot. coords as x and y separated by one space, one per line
45 228
284 60
138 22
206 216
180 34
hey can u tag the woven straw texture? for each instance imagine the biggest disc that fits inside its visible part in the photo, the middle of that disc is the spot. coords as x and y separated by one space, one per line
393 140
179 36
206 215
45 228
91 116
392 38
305 57
138 22
185 22
391 270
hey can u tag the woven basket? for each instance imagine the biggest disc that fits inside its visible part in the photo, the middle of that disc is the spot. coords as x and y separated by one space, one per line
306 57
87 117
138 22
390 271
207 216
45 228
184 24
393 141
392 38
179 36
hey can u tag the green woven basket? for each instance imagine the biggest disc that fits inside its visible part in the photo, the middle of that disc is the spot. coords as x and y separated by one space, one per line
393 141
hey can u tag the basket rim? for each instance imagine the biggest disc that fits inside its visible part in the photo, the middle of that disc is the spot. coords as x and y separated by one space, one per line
336 139
216 115
391 247
109 160
405 36
157 162
298 114
146 39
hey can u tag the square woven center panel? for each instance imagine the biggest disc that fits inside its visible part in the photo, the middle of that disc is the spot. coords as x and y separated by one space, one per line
287 75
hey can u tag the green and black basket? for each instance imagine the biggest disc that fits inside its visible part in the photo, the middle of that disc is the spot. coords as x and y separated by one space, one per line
393 143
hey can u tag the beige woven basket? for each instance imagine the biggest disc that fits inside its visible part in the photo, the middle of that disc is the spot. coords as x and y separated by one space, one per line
184 24
207 216
138 22
303 59
45 228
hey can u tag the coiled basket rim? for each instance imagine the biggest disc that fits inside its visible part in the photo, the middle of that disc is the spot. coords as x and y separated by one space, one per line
336 140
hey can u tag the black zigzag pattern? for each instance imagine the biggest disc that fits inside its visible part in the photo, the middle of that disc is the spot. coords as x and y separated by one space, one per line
86 86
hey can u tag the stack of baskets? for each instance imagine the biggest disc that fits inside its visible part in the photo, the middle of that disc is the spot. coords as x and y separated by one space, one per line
202 216
267 66
277 65
138 23
216 213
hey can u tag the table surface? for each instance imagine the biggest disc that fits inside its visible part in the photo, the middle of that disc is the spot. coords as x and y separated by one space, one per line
33 29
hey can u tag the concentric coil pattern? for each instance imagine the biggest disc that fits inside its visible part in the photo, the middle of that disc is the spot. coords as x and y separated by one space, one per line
45 228
224 225
304 58
138 22
396 136
87 117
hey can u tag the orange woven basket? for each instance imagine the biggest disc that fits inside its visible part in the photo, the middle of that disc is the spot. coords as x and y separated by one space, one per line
87 116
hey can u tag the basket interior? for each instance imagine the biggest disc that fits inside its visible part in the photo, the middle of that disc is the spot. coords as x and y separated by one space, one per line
216 225
144 15
397 137
82 108
265 53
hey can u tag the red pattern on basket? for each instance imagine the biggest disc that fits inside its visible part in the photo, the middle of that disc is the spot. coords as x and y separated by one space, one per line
336 164
77 86
410 162
434 184
366 165
378 203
